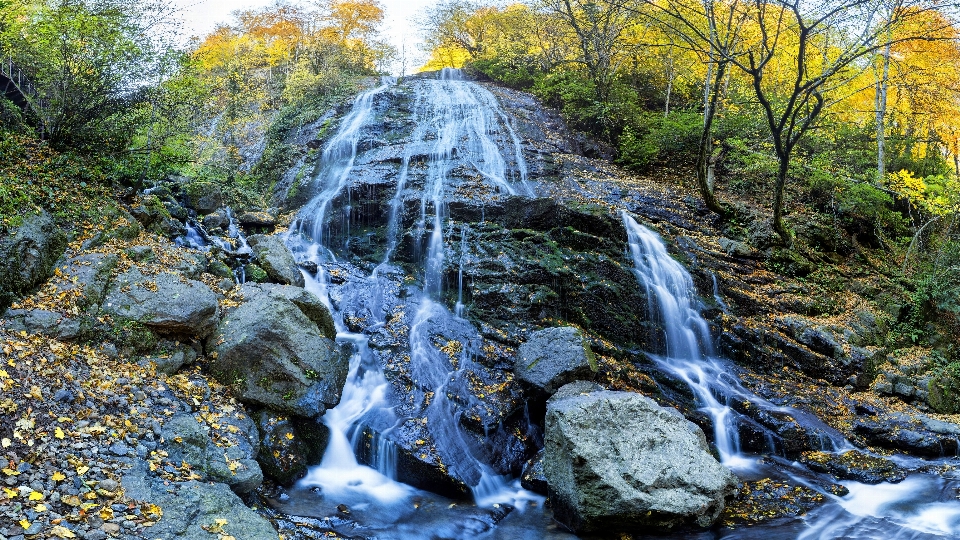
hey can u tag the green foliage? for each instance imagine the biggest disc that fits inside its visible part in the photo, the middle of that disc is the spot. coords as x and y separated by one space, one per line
661 140
33 176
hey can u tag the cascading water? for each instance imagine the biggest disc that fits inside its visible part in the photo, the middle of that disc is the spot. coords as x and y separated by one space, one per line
923 506
457 123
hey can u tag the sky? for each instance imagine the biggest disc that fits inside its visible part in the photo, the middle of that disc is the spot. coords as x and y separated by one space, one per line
202 16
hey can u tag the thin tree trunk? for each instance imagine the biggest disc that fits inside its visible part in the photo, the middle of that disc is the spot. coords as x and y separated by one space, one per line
882 84
778 188
705 162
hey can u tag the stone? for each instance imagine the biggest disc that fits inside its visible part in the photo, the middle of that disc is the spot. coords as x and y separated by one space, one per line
28 254
738 249
141 253
215 220
854 465
309 303
618 462
533 477
553 357
289 445
193 506
257 219
41 321
273 355
276 260
205 197
164 302
186 440
171 363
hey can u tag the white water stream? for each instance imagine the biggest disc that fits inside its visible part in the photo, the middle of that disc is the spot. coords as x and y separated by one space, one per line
923 506
456 125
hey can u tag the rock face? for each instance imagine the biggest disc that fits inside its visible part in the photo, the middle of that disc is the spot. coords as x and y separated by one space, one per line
554 357
164 302
27 256
274 355
276 260
289 445
618 462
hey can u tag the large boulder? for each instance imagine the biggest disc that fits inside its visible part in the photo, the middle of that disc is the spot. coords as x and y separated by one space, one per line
190 508
618 462
186 441
553 357
309 303
28 255
166 303
273 355
276 260
289 445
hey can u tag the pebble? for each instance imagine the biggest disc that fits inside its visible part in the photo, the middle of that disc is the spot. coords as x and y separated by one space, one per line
33 529
110 528
96 535
63 396
119 449
129 524
109 484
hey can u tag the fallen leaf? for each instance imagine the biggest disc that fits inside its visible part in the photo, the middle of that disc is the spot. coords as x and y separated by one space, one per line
36 496
58 476
58 433
63 532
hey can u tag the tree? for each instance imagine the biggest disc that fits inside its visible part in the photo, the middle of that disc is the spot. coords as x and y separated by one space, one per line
88 58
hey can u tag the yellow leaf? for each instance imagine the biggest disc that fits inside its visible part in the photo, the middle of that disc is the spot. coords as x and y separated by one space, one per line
62 532
24 523
58 476
11 493
40 508
106 514
11 472
36 496
289 436
91 495
82 470
58 433
71 500
4 374
5 442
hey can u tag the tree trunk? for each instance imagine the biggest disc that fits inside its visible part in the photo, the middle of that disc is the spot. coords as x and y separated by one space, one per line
881 105
778 226
705 161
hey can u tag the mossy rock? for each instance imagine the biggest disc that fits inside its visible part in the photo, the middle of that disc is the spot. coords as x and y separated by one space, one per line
255 274
944 388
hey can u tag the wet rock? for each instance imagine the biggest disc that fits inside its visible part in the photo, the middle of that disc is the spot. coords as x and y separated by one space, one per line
172 362
618 462
193 506
216 220
533 477
28 254
276 260
287 451
254 274
854 465
309 303
273 355
916 434
163 302
553 357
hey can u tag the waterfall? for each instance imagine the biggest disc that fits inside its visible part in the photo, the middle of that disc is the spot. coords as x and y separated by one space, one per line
458 124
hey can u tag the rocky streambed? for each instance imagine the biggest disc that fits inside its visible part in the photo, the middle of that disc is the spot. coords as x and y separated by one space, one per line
440 330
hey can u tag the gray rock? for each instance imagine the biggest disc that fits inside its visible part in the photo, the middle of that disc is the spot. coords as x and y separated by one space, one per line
738 249
28 255
141 253
276 260
553 357
257 219
190 506
171 363
185 439
289 445
309 303
215 220
165 302
275 356
205 196
533 477
618 462
41 321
